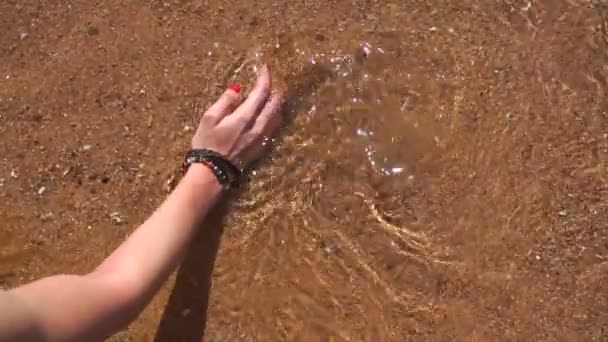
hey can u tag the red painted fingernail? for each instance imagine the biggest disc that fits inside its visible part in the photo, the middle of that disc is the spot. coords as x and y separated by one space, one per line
236 88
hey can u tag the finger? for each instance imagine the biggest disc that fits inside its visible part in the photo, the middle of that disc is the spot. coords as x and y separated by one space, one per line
263 128
270 118
224 105
249 109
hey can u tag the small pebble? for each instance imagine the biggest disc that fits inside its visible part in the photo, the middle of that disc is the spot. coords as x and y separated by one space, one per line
23 35
117 219
66 171
563 213
46 216
170 184
42 190
14 174
86 148
188 128
186 312
328 248
92 31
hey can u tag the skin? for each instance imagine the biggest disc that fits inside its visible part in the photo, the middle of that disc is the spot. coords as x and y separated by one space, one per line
98 304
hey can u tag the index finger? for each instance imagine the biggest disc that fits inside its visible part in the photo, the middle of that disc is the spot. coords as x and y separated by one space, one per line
252 106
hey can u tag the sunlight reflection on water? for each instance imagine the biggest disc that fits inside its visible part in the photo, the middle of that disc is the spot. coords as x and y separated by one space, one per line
361 88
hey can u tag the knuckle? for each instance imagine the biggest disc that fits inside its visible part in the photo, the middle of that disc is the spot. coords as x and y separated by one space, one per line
257 130
204 119
244 116
209 117
262 121
228 97
269 113
262 91
272 109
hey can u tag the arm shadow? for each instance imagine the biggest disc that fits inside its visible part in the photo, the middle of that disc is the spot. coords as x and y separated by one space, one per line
185 317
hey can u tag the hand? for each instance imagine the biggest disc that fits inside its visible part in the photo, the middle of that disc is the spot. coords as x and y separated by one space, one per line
238 130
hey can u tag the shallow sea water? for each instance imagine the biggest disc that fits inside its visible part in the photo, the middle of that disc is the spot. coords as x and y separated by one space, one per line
441 174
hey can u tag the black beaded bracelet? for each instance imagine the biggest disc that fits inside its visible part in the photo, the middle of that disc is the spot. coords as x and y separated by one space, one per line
227 174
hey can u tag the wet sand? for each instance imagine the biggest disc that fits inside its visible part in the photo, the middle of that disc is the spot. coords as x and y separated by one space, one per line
447 184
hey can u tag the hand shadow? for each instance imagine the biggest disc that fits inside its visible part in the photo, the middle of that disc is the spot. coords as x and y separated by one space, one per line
185 317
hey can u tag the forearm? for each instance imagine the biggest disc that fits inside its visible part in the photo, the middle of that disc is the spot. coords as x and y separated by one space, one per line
155 249
97 304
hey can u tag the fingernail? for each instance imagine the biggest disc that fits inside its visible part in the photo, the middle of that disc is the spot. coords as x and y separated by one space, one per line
236 88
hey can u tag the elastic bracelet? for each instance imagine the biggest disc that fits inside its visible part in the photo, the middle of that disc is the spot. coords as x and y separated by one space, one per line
227 174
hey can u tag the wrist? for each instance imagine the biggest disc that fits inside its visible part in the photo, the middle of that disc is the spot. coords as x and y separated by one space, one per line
227 174
201 177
